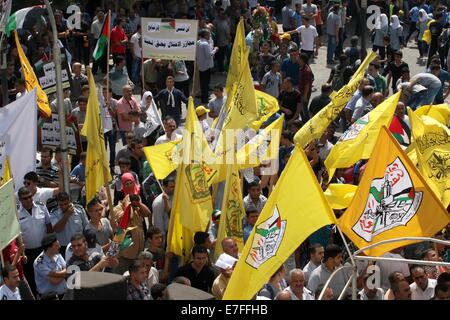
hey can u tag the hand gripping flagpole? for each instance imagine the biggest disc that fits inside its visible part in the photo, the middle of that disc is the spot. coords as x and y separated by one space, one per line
60 97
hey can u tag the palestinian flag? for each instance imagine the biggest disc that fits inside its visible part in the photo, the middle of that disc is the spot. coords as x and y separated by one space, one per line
24 18
401 131
168 24
102 41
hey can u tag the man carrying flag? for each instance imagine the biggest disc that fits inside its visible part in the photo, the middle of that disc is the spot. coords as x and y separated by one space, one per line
101 31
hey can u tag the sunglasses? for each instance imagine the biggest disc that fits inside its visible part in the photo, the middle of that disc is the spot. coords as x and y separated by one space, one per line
26 198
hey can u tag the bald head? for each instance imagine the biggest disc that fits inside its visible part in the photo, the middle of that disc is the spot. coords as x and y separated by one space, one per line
377 98
283 295
127 92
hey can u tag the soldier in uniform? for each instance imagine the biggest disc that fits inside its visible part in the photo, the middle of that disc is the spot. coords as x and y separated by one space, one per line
67 220
50 269
34 223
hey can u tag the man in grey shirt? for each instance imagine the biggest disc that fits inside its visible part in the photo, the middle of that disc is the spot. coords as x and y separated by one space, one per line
78 81
161 207
331 261
333 24
286 16
363 105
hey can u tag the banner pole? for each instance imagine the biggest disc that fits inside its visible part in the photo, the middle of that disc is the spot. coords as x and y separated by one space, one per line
60 97
355 270
107 52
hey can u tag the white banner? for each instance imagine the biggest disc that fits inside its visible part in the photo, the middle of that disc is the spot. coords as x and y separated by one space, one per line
9 226
169 39
18 135
50 135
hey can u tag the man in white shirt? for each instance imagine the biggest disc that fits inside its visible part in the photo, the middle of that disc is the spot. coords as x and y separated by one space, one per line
11 279
296 287
388 267
254 200
40 195
162 205
316 252
308 37
370 294
422 288
170 127
137 56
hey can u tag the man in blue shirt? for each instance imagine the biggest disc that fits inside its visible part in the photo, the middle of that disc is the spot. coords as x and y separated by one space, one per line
252 217
50 268
290 67
413 19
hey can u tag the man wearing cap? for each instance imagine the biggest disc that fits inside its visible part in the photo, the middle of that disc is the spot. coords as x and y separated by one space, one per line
67 220
50 268
201 112
34 221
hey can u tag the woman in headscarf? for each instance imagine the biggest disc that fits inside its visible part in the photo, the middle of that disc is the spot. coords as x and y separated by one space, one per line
422 26
396 33
381 30
151 117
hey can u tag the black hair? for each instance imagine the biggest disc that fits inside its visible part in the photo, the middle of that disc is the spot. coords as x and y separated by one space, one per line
168 180
331 251
153 231
92 203
124 161
443 277
287 134
200 237
218 87
199 249
304 57
250 211
313 247
32 176
119 59
367 90
83 155
157 291
82 99
441 287
47 149
7 269
62 196
77 236
398 53
135 266
23 191
326 88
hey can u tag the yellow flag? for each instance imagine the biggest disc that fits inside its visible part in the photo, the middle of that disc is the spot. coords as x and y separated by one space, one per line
432 144
160 157
284 223
440 112
264 146
233 212
31 80
237 58
7 174
266 105
392 201
243 110
315 126
97 171
195 197
358 141
340 195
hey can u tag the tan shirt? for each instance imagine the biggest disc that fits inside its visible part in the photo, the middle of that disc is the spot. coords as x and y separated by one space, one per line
219 286
137 234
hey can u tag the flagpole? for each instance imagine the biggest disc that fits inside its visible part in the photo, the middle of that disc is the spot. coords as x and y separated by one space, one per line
355 270
60 97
